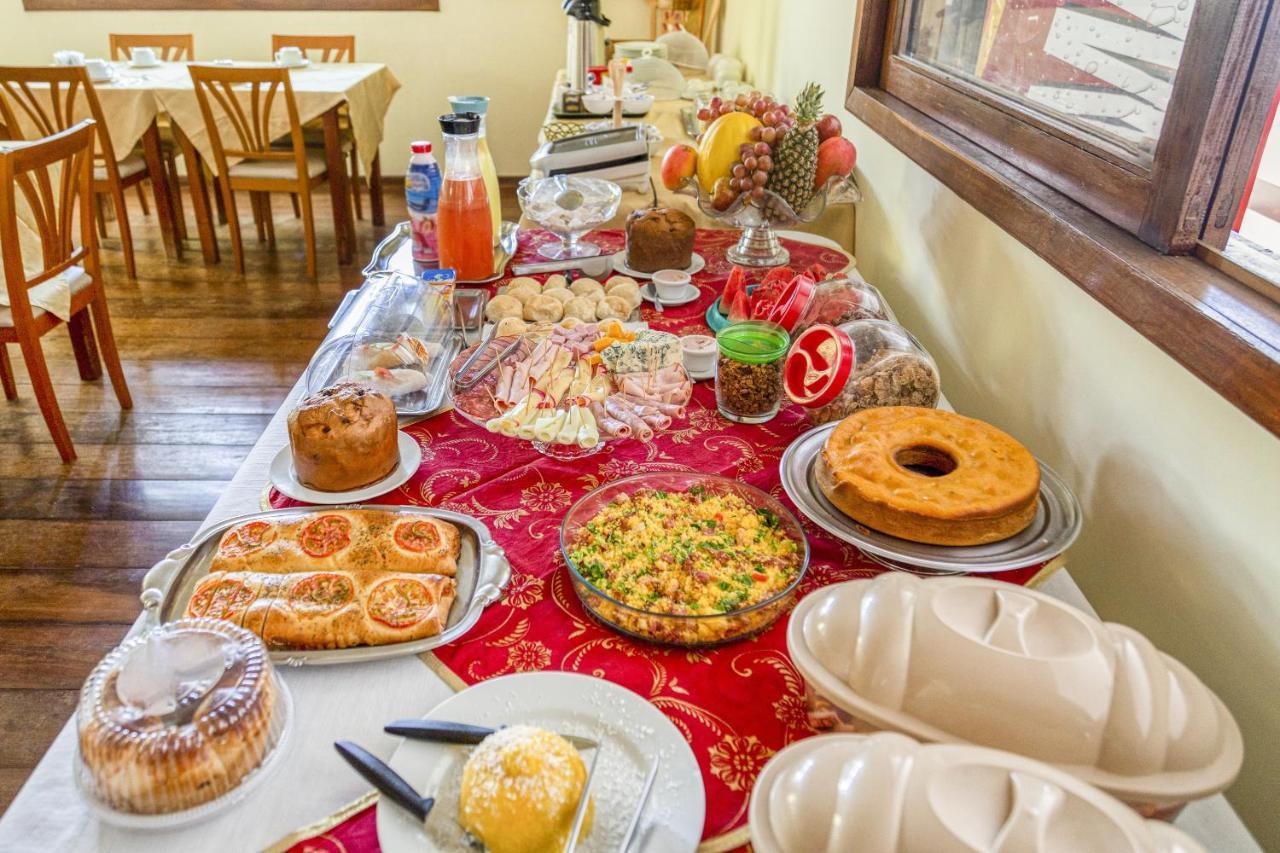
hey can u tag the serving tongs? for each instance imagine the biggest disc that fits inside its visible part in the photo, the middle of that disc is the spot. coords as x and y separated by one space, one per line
443 731
464 383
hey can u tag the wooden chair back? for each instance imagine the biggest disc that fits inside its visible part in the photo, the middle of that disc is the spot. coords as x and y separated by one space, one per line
53 178
247 99
52 100
174 47
330 48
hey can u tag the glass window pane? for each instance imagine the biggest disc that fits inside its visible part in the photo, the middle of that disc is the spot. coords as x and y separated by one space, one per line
1105 66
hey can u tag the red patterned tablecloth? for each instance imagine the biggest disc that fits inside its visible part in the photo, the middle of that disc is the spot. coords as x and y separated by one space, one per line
736 704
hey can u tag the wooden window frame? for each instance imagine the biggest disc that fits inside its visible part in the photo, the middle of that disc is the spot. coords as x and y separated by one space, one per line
233 5
1111 226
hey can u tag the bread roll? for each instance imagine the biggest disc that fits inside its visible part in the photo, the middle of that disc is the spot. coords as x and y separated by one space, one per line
556 280
628 291
522 289
560 294
511 326
618 281
588 287
503 306
614 307
543 309
582 307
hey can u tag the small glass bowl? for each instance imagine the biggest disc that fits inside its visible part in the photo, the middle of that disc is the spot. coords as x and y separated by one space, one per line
679 630
568 207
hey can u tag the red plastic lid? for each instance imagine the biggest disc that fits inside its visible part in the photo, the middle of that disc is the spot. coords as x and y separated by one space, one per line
818 366
792 302
420 147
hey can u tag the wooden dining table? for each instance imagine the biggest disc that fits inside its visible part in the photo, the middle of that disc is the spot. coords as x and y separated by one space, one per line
136 100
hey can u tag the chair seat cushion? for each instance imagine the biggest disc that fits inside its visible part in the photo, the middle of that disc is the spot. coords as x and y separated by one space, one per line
278 169
77 280
128 167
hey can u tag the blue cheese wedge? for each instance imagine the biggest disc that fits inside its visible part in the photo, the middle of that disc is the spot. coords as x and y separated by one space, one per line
650 350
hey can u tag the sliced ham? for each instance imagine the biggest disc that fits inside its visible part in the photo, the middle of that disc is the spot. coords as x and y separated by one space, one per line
607 425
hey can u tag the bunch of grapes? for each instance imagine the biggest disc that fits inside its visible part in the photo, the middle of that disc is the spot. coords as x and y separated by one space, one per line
755 159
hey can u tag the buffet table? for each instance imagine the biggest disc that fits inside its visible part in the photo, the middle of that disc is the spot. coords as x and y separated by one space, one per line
312 790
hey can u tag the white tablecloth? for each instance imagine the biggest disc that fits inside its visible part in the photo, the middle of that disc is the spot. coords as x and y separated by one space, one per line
342 703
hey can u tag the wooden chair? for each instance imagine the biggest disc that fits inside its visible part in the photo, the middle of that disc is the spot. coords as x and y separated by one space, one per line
174 47
177 47
336 49
48 99
53 177
246 99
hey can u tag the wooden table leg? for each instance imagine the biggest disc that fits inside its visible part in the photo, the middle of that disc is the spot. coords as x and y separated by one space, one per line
84 345
376 213
199 197
160 186
339 189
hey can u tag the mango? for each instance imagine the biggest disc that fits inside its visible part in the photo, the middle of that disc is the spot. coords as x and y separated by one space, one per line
721 141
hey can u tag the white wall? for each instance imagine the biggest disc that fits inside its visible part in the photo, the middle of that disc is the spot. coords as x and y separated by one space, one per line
507 49
1181 492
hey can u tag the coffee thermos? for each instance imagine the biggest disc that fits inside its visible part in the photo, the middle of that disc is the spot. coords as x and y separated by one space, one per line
585 47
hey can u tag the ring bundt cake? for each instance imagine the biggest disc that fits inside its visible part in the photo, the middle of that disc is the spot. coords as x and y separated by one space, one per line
929 476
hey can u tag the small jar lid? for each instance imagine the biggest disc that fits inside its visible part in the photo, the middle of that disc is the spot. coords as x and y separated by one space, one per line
460 124
753 341
792 302
818 366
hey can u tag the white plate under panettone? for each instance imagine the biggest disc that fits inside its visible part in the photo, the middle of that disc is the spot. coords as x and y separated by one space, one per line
696 264
285 479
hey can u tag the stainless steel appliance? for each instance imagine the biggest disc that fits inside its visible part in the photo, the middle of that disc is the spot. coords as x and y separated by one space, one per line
585 49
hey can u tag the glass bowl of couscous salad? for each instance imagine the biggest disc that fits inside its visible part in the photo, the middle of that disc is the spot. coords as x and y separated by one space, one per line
684 558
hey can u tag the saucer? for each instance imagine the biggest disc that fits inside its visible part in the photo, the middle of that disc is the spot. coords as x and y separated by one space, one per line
302 64
696 263
701 375
155 64
689 293
285 479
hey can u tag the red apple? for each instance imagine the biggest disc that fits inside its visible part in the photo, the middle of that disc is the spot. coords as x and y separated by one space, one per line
678 166
836 156
829 127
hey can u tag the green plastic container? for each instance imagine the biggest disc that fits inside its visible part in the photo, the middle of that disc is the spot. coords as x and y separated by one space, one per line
749 370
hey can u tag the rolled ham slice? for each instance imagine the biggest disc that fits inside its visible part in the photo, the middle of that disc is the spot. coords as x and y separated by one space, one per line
673 410
609 426
618 409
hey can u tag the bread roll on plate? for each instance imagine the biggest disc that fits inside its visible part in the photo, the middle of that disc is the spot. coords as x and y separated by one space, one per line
503 306
613 307
560 294
543 309
352 539
582 307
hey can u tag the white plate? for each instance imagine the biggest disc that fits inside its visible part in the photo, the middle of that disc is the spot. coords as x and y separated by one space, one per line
630 730
155 64
689 294
303 64
285 479
696 263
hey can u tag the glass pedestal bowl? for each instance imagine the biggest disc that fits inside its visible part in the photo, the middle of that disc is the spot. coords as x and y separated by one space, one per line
758 246
568 207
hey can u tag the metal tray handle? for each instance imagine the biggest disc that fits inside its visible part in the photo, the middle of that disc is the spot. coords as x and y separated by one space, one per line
158 579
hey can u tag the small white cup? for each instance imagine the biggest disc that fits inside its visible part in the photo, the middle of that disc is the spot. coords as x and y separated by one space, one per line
98 69
698 353
68 57
670 284
289 56
143 56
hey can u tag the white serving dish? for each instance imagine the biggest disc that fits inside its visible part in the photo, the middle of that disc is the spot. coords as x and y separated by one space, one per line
886 793
631 733
977 661
483 572
285 478
696 265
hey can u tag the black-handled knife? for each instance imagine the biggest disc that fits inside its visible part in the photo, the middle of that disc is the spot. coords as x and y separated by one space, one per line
390 783
444 731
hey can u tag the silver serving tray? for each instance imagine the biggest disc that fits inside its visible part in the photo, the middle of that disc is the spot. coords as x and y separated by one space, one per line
326 368
483 572
395 253
1056 525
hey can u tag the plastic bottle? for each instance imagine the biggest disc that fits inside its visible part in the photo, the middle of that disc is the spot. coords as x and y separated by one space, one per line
422 196
479 104
466 227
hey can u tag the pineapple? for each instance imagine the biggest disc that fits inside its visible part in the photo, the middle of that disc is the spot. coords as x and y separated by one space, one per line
795 158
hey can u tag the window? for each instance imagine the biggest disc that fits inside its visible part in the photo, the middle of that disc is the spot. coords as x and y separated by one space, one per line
1111 137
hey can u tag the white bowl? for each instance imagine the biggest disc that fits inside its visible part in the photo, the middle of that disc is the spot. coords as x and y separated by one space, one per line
598 103
637 104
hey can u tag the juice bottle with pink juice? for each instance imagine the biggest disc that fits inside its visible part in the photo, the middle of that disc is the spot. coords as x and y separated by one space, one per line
464 220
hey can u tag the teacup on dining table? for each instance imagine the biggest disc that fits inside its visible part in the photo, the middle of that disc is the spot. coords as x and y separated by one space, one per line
289 56
68 57
98 69
670 284
143 57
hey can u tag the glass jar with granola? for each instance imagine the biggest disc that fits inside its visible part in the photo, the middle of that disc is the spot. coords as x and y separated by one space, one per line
749 370
833 372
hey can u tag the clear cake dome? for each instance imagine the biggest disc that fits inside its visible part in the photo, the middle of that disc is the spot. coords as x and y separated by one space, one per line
178 717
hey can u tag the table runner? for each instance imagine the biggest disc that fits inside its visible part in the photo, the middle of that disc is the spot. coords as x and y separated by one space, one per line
736 704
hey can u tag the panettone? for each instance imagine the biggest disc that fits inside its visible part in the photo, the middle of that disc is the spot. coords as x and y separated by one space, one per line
343 437
659 238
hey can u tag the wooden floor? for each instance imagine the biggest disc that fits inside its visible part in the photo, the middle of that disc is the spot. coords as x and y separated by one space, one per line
209 356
